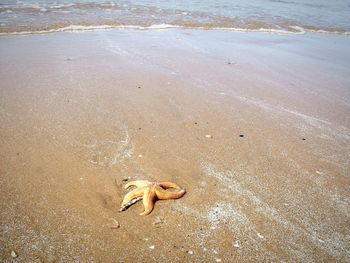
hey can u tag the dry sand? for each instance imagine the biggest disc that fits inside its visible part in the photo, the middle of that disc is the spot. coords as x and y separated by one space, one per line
80 112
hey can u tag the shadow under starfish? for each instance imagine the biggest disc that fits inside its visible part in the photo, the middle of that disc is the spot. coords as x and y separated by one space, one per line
149 192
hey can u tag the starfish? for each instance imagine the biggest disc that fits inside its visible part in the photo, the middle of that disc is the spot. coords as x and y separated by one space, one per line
149 192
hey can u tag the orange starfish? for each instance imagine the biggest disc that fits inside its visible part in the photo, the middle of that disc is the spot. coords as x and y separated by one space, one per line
149 192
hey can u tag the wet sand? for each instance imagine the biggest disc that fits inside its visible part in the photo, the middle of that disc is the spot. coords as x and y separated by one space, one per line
81 112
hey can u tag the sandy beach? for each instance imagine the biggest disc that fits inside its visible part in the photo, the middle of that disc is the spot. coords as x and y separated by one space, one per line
255 127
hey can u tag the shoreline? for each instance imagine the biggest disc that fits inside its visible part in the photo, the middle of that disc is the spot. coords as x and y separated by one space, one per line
93 28
255 127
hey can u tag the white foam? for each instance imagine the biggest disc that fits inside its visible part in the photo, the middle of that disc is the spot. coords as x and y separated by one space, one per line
264 30
71 28
81 28
326 32
163 26
59 6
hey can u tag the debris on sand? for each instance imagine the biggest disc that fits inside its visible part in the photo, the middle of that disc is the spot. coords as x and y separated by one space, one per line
260 235
158 221
115 224
209 136
133 201
237 244
14 254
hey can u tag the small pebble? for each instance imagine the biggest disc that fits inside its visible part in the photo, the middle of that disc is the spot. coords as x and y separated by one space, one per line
14 254
218 259
190 252
115 224
140 156
152 247
241 135
209 136
260 235
237 244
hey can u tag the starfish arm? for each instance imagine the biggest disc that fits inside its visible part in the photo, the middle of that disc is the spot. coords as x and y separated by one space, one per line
133 194
167 185
164 194
148 201
138 183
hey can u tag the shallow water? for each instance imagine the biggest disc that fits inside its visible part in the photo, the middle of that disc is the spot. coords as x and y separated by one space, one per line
295 16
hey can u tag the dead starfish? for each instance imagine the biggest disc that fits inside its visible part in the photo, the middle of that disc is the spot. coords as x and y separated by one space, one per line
149 192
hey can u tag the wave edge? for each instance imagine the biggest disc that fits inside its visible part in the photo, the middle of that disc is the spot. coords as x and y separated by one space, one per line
82 28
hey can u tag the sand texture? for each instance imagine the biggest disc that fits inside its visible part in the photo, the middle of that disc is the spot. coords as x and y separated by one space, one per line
255 127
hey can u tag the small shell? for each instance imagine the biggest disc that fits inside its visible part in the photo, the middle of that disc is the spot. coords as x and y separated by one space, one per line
237 244
260 235
14 254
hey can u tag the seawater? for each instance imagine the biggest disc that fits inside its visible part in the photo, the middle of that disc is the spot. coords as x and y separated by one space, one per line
295 16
